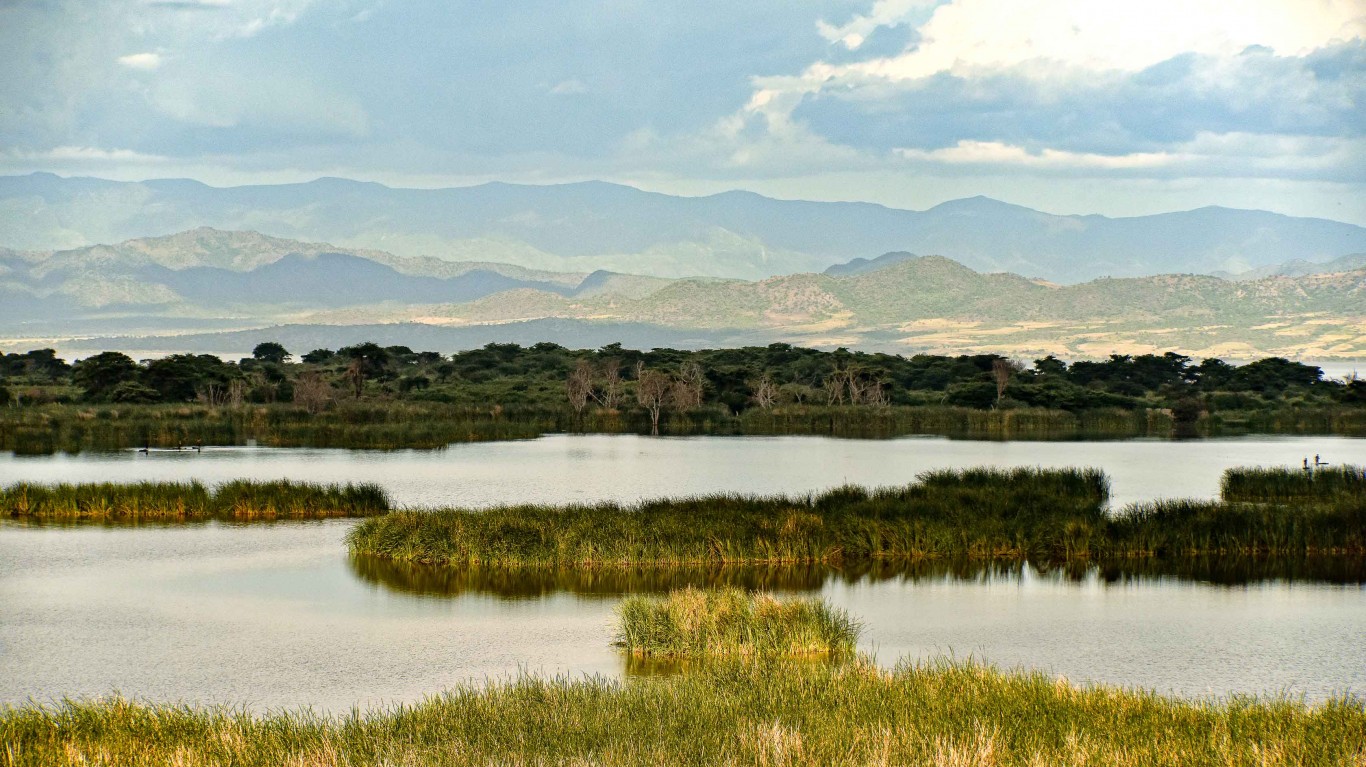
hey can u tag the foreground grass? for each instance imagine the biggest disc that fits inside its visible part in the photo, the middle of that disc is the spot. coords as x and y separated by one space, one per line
977 514
767 712
693 622
239 500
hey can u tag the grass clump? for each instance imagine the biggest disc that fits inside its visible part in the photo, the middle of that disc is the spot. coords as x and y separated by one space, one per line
978 513
1258 485
238 500
697 623
769 711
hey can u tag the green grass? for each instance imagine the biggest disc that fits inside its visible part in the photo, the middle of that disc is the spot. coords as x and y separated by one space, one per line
976 514
979 513
1329 483
239 500
709 623
763 711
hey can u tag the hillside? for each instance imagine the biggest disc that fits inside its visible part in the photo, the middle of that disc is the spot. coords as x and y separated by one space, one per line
585 227
209 281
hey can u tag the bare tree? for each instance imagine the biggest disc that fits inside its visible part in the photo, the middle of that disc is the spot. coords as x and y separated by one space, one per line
212 395
609 396
833 386
858 385
237 393
1002 370
687 389
355 375
765 392
312 392
579 386
652 389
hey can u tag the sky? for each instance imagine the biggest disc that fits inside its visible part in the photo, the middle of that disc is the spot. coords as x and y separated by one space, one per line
1120 107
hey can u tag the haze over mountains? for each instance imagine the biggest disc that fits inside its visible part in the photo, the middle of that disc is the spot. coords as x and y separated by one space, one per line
243 286
585 227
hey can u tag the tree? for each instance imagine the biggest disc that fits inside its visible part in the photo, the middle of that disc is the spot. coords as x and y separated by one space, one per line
579 386
101 374
183 377
652 389
312 392
270 351
609 396
367 361
687 389
1002 370
765 392
319 356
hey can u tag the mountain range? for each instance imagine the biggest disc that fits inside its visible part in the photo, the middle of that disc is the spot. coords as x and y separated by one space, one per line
214 290
595 226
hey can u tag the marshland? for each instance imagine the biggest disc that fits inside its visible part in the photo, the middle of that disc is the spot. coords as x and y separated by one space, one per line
271 618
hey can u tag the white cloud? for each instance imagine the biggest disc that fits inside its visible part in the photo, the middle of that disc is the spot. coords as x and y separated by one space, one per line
63 155
884 13
998 153
143 61
968 36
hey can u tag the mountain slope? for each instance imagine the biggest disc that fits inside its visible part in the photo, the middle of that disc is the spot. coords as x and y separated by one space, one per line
589 226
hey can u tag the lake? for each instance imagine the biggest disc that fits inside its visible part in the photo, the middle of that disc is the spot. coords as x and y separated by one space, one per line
270 616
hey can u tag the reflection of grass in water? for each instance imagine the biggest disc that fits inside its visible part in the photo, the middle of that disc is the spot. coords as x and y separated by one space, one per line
610 582
765 711
239 500
699 623
386 425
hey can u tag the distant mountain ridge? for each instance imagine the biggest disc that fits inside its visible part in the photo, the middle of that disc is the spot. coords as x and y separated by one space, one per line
213 280
591 226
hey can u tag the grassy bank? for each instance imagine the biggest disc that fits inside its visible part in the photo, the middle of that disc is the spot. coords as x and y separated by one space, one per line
767 712
712 623
44 429
976 514
239 500
1321 484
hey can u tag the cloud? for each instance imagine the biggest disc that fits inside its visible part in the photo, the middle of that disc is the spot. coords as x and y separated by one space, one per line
143 61
569 87
999 154
884 13
81 155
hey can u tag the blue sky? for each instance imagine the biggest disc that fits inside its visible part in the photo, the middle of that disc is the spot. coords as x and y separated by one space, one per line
1072 106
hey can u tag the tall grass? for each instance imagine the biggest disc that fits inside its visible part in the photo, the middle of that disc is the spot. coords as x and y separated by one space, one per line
711 623
239 500
1259 485
976 513
765 711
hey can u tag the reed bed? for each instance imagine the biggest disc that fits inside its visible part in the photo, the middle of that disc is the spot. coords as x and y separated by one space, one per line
975 514
710 623
978 513
1324 483
238 500
763 711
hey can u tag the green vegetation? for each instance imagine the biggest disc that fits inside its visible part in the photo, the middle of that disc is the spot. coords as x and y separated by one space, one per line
239 500
695 623
1323 483
762 711
976 514
368 396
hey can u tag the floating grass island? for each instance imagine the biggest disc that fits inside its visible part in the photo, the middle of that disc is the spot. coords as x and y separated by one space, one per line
738 711
1044 515
238 500
697 623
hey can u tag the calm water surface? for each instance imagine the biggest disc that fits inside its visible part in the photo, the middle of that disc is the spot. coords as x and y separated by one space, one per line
273 616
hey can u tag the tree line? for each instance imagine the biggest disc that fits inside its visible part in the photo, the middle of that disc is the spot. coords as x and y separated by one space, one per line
548 375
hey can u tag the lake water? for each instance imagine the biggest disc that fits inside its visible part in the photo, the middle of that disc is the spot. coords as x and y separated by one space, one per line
272 616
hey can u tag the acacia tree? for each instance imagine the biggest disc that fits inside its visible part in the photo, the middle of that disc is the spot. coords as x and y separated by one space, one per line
687 388
100 374
312 392
652 389
270 351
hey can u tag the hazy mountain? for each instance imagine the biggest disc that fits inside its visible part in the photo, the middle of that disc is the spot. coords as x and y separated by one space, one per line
865 265
1302 268
211 273
584 227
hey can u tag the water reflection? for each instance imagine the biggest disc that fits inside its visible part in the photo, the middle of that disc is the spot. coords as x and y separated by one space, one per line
606 582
